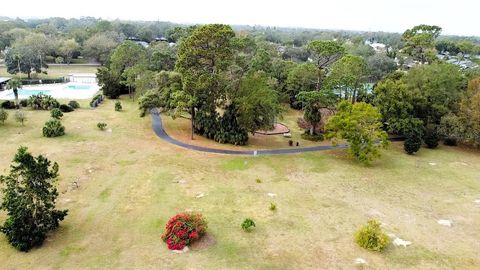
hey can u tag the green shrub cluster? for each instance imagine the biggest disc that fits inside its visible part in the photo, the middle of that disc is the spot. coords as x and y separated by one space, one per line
74 104
371 236
53 128
248 224
96 100
56 113
3 115
66 108
412 144
315 137
102 126
42 102
118 106
7 104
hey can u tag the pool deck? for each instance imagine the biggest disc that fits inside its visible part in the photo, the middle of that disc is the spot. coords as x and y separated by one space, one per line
58 91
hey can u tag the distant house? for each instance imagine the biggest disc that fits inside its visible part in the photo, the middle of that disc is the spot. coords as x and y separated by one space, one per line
90 78
377 47
3 82
139 41
161 39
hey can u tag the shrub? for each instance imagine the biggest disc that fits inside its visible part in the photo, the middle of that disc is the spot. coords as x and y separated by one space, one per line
23 103
247 225
118 106
102 126
96 100
315 137
431 137
74 104
450 141
3 115
412 144
20 117
183 229
53 128
56 113
65 108
259 180
42 102
371 237
290 143
273 206
7 104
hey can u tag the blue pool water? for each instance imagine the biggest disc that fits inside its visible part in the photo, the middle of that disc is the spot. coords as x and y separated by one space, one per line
30 92
78 87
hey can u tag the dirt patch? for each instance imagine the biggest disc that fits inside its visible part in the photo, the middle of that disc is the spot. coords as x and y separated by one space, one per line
205 242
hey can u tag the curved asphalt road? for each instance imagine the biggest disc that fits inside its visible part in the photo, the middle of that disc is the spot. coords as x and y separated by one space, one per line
157 126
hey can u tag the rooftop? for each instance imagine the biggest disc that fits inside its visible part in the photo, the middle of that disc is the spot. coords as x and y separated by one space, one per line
4 79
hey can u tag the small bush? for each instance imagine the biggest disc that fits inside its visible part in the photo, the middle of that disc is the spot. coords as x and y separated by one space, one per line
53 128
7 104
290 143
20 117
371 237
412 144
56 113
247 225
96 100
450 141
74 104
65 108
23 103
258 180
3 115
431 137
182 229
273 206
315 137
42 102
118 106
102 126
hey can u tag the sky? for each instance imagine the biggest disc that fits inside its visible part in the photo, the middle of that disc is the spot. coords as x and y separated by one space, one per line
459 17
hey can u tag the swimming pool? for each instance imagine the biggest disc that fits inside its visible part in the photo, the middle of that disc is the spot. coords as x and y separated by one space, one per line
60 91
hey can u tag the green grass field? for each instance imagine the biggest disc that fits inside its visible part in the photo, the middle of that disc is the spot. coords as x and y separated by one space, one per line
53 72
130 183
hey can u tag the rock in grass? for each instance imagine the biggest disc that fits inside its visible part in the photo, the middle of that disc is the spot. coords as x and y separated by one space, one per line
445 222
271 195
360 261
185 249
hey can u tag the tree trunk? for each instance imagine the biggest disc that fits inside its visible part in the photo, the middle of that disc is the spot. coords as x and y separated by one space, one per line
28 75
193 120
319 75
15 92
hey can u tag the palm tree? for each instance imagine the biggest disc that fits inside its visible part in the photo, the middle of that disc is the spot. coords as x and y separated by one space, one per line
14 84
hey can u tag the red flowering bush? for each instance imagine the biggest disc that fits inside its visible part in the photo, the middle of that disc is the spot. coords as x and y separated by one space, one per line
182 229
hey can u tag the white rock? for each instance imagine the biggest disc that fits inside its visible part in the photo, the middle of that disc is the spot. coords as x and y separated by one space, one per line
109 130
445 222
185 249
477 201
200 195
287 135
271 195
360 261
400 242
433 163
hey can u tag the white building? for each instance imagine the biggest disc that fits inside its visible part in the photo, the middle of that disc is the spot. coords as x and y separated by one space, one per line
90 78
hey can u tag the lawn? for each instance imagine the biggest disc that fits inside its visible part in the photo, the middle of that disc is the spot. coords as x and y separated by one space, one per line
53 71
130 183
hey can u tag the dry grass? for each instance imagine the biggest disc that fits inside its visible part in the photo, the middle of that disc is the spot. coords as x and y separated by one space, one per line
128 188
53 72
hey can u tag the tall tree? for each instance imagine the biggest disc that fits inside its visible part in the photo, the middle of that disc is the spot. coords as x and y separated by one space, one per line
348 76
313 102
379 65
301 78
325 53
67 48
29 199
420 42
203 57
100 45
360 125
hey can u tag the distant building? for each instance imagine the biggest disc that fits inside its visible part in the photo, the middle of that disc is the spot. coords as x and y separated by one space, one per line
90 78
3 82
139 41
378 47
161 39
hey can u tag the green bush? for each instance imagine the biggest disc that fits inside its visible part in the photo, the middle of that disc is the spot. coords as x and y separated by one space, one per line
56 113
23 103
371 237
412 144
273 206
74 104
118 106
53 128
315 137
20 117
65 108
431 137
3 115
96 100
7 104
42 102
247 225
102 126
